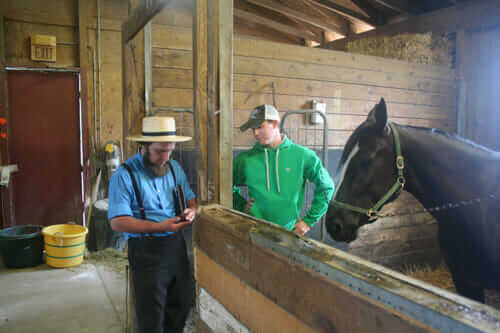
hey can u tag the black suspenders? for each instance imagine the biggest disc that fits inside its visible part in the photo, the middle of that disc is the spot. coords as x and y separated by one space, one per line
136 190
138 194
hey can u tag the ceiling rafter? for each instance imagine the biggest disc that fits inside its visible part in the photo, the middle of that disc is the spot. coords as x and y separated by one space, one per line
346 12
341 27
375 15
401 6
283 28
327 14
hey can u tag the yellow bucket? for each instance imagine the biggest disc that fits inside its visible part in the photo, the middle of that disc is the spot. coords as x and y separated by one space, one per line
64 244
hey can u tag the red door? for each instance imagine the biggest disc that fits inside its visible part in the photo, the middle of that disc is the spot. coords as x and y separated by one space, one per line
44 141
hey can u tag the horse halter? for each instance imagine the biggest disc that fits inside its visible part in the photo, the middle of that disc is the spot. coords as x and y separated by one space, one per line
372 213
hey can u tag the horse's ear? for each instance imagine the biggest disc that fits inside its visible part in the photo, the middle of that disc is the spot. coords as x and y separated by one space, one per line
378 117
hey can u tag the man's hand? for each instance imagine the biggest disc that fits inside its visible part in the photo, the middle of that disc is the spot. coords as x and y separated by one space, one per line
301 228
189 214
173 224
249 205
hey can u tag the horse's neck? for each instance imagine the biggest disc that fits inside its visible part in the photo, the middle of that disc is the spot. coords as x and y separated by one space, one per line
442 169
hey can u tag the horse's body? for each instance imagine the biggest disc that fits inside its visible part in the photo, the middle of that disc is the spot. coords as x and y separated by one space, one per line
439 168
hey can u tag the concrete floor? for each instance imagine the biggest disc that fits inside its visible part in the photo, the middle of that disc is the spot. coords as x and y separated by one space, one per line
86 298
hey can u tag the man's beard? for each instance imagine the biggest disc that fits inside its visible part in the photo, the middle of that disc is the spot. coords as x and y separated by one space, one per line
155 170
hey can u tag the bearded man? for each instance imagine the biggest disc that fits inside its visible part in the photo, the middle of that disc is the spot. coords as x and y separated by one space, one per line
142 204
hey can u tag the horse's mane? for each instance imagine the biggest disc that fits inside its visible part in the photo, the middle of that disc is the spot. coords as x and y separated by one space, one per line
453 139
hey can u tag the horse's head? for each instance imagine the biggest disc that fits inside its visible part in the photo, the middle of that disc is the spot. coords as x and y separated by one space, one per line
365 174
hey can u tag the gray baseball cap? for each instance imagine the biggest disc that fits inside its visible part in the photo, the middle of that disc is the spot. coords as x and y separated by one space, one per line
259 115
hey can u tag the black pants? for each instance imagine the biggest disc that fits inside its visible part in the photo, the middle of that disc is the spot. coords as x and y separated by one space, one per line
162 282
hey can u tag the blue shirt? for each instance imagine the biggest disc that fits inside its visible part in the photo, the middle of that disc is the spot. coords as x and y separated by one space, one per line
156 193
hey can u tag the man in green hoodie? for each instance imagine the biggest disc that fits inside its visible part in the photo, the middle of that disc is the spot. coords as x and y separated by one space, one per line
275 171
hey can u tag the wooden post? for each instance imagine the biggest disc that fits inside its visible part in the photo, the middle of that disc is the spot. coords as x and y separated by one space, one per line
200 103
148 69
226 102
133 84
83 15
213 101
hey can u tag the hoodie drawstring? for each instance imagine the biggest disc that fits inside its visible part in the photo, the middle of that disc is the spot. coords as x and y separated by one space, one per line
267 170
277 170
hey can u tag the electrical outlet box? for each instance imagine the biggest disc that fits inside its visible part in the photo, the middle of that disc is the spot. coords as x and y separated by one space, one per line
315 118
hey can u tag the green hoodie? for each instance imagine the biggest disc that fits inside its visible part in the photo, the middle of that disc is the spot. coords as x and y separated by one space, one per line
276 179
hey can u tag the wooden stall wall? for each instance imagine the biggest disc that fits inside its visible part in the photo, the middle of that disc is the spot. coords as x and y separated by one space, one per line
480 70
286 283
22 18
74 24
113 13
60 18
291 77
419 95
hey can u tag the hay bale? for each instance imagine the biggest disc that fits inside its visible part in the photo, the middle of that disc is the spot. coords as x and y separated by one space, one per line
418 48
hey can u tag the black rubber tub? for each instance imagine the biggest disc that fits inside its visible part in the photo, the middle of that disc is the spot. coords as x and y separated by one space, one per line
22 246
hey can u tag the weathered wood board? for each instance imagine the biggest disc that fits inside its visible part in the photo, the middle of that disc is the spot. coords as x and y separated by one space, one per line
270 280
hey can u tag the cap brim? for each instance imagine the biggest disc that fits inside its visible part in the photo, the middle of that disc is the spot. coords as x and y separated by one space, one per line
167 138
252 123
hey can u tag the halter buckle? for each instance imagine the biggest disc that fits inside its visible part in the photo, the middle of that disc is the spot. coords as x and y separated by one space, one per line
402 181
400 162
372 214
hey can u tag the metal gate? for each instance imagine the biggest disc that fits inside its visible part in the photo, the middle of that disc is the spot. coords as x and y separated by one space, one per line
316 138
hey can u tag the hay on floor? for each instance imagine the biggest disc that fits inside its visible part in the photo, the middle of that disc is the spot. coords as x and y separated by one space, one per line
111 258
439 276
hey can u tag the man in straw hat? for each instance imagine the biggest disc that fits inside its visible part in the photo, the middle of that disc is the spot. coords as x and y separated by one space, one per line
142 205
275 171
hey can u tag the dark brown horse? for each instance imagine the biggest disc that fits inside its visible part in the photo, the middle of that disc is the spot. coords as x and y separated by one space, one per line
437 168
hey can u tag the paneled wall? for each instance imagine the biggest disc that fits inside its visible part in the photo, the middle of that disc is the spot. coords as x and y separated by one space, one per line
264 72
481 70
349 84
291 77
23 18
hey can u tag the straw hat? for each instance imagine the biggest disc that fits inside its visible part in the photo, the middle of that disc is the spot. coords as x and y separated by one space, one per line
158 129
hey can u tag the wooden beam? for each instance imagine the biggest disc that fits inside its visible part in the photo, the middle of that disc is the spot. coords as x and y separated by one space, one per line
345 11
212 101
133 87
247 28
375 15
226 102
397 5
143 13
340 27
200 102
30 16
83 16
482 14
148 69
283 28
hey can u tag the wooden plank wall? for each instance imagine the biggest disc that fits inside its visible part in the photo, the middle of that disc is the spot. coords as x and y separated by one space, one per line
286 283
350 84
481 69
22 18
